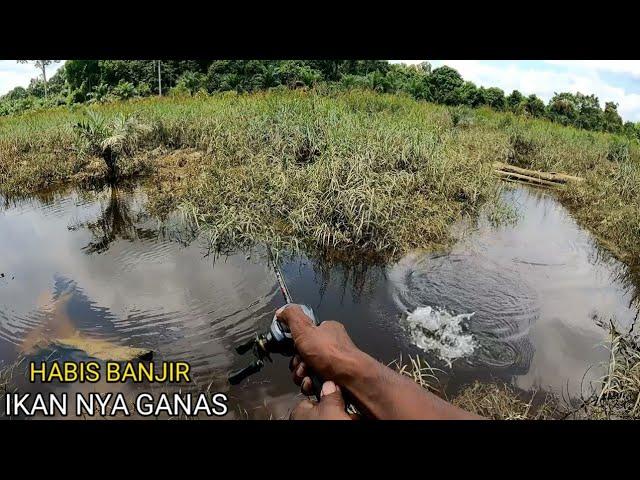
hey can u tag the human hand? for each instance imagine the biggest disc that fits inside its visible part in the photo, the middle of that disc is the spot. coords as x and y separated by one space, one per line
326 349
330 407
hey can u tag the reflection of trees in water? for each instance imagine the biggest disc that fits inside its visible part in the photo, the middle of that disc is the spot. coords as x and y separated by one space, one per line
119 219
358 276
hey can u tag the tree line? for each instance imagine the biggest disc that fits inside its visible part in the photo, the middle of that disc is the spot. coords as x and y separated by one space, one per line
89 81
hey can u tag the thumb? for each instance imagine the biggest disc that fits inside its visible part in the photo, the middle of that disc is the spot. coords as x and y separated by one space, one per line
331 396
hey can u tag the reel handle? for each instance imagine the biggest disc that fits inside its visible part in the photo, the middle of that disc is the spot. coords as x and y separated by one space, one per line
238 376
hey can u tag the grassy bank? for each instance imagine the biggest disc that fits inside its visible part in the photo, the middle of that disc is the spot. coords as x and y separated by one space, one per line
356 171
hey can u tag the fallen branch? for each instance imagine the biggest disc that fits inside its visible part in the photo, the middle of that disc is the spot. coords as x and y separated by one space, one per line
524 178
525 174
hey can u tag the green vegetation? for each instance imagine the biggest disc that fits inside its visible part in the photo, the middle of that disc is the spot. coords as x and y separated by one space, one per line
334 166
352 170
90 81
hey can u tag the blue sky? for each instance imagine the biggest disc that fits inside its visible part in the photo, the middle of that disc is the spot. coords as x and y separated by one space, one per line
609 80
616 80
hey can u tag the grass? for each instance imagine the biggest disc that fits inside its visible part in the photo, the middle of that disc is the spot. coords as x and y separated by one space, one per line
357 172
493 401
503 402
615 396
618 395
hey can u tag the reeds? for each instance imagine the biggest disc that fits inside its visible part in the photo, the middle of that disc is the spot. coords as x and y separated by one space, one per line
354 171
489 400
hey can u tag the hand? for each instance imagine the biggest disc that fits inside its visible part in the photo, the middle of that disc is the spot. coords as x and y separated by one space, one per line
326 349
330 407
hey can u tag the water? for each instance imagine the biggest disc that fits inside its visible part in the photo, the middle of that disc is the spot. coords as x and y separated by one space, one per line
519 303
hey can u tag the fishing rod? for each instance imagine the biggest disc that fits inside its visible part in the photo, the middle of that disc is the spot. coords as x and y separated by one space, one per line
281 283
277 339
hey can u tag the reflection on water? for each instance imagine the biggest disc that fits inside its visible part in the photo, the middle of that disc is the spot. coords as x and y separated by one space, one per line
97 264
535 288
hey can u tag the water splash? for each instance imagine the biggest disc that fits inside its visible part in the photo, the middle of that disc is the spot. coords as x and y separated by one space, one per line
438 331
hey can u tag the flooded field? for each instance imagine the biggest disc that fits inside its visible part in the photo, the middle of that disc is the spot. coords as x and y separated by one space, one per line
523 303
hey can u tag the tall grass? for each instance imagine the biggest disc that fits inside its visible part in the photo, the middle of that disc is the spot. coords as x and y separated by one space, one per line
355 171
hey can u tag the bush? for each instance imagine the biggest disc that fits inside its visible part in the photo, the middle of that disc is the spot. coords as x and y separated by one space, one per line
191 82
143 90
124 91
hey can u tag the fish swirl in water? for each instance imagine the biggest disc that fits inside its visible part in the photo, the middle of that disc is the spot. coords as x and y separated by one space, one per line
502 305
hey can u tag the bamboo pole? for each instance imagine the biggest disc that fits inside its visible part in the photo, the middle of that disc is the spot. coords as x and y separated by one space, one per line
527 179
558 178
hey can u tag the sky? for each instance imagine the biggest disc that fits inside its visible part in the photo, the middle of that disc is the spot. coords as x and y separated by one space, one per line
609 80
14 74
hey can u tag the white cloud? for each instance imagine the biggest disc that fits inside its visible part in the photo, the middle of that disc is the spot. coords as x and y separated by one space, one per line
630 67
14 74
578 76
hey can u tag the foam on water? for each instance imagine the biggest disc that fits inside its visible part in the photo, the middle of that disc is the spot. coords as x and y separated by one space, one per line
440 332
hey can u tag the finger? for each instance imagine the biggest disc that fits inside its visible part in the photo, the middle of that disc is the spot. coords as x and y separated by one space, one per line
331 396
293 316
295 361
303 410
306 386
300 373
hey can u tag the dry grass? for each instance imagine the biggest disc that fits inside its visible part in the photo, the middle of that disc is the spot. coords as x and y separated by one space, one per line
419 371
615 396
619 395
493 401
503 402
7 382
353 171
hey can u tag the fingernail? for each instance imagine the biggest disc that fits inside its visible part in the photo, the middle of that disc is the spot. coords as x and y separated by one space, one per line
300 370
328 388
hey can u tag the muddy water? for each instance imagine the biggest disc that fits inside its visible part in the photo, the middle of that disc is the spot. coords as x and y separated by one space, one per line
526 299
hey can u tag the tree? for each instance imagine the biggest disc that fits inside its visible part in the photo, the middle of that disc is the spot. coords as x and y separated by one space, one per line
192 82
563 108
17 93
41 65
533 106
590 116
631 130
444 83
514 100
468 94
612 119
494 97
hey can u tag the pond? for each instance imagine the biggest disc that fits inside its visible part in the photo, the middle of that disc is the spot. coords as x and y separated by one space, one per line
523 303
